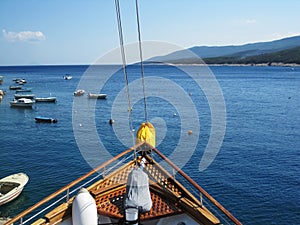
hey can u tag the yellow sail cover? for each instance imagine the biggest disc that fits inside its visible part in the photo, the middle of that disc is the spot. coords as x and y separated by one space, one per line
146 133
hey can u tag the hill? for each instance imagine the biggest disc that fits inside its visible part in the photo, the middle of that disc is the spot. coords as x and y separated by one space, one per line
288 56
215 54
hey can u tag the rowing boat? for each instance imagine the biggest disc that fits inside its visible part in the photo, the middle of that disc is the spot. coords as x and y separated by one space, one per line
12 186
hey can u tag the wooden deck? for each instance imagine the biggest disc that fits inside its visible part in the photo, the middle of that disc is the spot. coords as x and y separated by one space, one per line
168 196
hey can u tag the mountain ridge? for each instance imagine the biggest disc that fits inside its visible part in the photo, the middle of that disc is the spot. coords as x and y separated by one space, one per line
236 52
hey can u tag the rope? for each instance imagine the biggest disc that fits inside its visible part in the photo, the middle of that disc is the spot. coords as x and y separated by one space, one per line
124 66
141 58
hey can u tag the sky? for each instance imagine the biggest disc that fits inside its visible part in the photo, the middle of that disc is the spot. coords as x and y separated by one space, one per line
46 32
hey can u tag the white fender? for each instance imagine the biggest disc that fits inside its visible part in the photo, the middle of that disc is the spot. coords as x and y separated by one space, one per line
84 210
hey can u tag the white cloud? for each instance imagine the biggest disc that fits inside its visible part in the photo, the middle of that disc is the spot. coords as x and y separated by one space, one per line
250 21
30 36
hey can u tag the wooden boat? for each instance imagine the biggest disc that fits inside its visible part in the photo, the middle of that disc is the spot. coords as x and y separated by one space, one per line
12 186
97 96
172 202
43 119
22 102
45 99
17 96
2 92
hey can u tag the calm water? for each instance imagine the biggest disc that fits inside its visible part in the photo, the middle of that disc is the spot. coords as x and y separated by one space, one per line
255 174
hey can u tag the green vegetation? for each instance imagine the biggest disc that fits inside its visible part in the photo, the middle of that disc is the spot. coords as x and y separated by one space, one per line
285 56
288 56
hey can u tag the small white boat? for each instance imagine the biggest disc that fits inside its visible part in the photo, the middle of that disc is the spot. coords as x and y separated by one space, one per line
79 92
21 81
22 102
67 77
12 87
11 186
45 99
97 96
17 96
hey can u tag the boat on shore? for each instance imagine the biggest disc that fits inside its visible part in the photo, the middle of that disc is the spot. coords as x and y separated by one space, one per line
12 186
45 99
22 102
97 96
43 119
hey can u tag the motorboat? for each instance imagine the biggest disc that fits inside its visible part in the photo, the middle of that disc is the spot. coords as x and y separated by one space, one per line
45 99
43 119
97 96
67 77
17 96
79 92
12 186
22 102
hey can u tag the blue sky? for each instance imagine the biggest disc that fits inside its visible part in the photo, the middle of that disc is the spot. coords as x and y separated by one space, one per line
80 31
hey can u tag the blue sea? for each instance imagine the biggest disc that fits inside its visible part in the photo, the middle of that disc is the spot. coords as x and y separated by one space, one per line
255 171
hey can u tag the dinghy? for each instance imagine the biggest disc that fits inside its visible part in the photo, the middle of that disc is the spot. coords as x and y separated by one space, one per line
12 186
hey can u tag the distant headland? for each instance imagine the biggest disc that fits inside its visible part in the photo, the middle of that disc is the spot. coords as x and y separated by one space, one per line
283 52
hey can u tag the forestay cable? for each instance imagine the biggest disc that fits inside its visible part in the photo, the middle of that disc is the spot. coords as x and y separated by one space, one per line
141 58
124 65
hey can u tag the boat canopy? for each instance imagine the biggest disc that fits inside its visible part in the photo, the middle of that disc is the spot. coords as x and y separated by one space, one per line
137 191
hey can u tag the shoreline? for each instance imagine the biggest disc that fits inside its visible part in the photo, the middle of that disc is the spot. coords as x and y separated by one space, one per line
236 64
170 63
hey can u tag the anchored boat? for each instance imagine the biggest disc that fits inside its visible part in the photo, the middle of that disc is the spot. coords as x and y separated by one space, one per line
45 99
97 96
12 186
22 102
43 119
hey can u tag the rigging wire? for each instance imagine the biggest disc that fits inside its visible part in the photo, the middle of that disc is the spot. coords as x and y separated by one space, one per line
117 5
141 58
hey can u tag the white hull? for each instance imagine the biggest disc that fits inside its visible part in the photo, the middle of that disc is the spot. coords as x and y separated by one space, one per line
12 186
22 102
23 105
